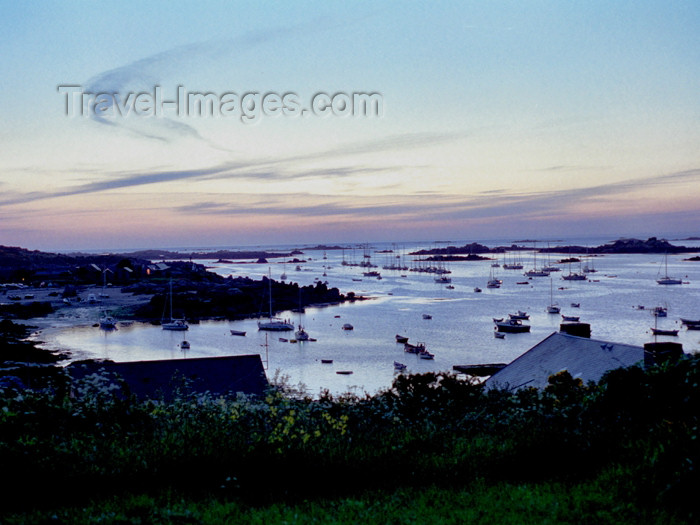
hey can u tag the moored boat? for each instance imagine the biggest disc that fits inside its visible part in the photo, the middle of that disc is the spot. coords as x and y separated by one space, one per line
659 331
401 339
514 326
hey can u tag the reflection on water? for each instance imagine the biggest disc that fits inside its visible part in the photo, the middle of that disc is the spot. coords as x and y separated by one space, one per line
459 332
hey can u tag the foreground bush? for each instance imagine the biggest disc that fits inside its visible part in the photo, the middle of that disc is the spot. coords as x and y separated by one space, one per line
635 432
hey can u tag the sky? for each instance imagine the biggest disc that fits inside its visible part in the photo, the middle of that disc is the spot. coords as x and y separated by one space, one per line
487 120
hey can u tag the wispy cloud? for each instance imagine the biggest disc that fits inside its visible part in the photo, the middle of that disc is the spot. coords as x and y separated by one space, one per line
143 74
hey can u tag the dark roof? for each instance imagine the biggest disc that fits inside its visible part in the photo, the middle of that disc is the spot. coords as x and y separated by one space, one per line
155 379
584 358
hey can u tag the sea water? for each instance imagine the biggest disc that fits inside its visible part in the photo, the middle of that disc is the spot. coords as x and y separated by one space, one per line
459 332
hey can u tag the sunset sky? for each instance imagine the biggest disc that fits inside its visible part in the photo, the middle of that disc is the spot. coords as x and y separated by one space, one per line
498 120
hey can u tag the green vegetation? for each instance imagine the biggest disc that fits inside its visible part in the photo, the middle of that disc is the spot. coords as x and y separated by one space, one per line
434 448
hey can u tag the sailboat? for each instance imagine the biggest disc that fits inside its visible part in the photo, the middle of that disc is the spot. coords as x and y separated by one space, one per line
552 308
283 277
274 324
574 276
107 322
173 324
666 279
301 334
493 282
535 272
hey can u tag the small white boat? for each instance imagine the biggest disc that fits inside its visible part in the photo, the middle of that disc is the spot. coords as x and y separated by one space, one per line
175 325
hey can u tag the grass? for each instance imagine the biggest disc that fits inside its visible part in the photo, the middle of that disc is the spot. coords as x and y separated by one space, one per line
432 449
483 503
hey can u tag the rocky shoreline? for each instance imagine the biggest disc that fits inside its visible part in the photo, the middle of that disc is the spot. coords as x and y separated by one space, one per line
52 291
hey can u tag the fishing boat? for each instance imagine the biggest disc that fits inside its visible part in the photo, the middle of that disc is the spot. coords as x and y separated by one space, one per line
513 326
414 349
274 324
660 311
179 325
426 355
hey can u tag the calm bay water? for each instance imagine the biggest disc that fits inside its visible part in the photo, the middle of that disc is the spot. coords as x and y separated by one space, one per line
460 331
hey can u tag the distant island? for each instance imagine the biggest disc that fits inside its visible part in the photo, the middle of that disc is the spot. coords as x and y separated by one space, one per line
628 246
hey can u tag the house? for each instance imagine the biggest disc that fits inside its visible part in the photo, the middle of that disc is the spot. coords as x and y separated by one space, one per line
584 358
163 378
